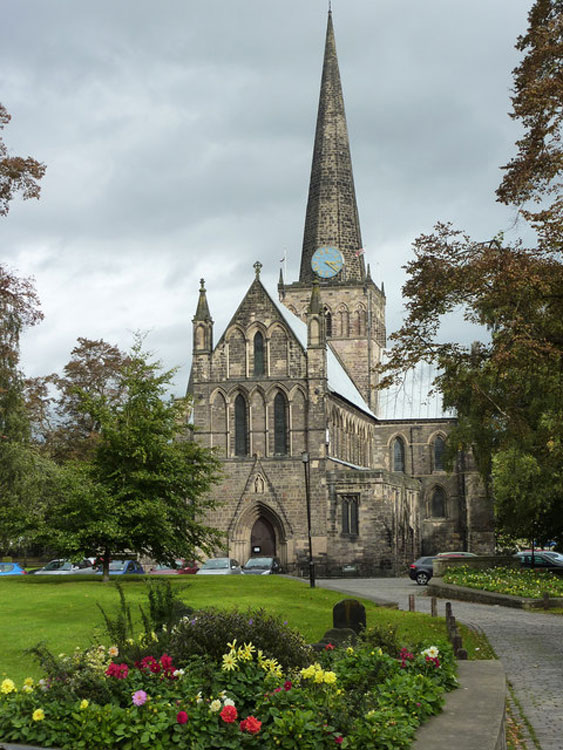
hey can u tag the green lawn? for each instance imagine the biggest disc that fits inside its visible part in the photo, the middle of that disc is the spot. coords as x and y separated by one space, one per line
63 612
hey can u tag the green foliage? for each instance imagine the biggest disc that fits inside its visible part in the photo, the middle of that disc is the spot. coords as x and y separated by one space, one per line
145 486
205 633
514 581
244 700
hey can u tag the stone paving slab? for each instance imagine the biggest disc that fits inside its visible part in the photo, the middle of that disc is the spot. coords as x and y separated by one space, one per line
529 645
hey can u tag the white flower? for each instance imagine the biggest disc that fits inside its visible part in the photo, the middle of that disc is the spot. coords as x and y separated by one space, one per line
215 705
431 652
113 651
27 688
198 698
228 702
177 673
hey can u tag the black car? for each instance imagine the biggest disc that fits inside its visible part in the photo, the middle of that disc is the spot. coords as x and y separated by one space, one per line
421 570
262 566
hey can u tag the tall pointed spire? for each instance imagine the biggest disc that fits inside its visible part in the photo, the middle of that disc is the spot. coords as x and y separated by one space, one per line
332 214
202 312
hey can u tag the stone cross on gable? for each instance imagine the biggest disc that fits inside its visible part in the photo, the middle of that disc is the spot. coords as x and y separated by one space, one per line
257 268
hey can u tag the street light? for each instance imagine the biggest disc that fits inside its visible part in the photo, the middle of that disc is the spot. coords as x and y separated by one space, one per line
305 459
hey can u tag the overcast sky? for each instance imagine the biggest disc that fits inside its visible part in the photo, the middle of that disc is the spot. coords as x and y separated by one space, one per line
178 138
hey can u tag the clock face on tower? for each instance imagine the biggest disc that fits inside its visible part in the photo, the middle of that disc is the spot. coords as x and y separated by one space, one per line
327 262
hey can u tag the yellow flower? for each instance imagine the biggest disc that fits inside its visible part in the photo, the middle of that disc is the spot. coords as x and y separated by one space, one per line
29 681
349 650
84 704
330 678
232 646
319 676
229 662
309 671
38 714
8 686
27 689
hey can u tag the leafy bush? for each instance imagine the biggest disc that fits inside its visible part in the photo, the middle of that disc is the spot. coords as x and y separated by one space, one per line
206 632
244 700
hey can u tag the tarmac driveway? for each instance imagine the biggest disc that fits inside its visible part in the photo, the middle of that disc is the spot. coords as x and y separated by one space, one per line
529 645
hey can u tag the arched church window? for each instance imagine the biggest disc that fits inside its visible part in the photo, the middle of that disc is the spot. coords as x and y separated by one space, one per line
259 368
439 448
241 427
398 455
280 425
328 323
438 503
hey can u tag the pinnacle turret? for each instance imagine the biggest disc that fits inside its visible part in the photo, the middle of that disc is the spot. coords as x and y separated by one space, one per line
202 312
332 214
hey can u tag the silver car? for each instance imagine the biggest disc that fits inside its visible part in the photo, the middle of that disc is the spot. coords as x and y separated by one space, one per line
219 566
64 567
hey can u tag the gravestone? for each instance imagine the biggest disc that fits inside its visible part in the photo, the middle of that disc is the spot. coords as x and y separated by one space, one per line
349 613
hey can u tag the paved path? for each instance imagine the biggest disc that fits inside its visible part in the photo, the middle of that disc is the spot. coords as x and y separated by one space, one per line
529 645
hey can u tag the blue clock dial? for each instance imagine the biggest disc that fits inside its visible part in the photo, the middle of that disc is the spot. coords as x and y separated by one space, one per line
327 262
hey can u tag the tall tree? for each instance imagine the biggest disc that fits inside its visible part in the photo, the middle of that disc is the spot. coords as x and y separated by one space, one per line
144 487
56 402
22 471
508 389
532 180
17 174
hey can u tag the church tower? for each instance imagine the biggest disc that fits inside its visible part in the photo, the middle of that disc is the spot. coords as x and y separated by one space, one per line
332 255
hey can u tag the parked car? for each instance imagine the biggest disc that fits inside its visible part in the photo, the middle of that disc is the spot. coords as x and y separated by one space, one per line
557 556
182 567
421 570
123 567
262 566
220 566
541 560
11 569
456 554
64 567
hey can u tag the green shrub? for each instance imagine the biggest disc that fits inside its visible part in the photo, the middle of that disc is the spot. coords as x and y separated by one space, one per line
206 632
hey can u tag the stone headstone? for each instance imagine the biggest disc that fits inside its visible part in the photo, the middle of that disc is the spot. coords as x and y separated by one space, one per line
349 613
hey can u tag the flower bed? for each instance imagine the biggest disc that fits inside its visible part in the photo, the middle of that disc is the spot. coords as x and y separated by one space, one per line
355 697
517 582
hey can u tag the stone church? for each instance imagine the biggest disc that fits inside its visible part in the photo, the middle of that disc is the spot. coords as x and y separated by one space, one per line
288 398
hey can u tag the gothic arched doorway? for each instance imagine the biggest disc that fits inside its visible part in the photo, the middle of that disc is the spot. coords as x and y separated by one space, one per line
263 538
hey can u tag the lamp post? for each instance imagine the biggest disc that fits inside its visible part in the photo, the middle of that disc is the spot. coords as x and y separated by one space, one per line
305 459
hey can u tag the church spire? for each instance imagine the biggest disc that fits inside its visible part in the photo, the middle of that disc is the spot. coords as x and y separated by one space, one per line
332 214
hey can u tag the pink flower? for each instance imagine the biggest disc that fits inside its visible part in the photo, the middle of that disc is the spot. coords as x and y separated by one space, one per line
339 739
329 647
287 685
181 717
139 698
229 714
251 724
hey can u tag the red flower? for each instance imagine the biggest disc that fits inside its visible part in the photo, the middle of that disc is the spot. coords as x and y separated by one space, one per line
287 685
329 647
229 714
251 725
120 671
339 739
181 717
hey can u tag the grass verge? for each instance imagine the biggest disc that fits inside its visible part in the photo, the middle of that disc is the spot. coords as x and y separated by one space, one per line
63 612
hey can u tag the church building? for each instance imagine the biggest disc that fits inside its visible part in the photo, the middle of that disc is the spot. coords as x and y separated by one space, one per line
288 398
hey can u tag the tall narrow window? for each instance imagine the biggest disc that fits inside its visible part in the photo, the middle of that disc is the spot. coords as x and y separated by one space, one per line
439 448
398 455
259 354
241 427
328 324
280 425
350 515
438 506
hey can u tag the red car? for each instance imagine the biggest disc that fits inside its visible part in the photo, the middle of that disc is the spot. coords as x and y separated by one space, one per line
182 567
